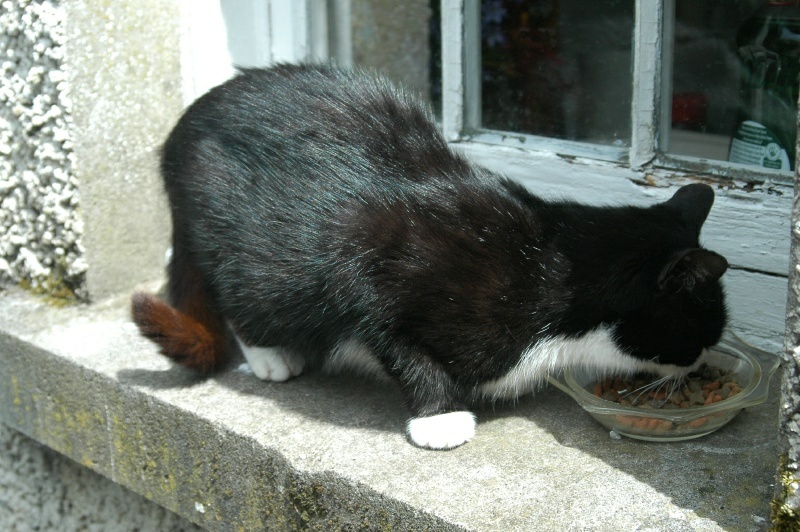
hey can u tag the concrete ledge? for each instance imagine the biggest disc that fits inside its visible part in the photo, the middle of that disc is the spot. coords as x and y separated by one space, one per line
327 453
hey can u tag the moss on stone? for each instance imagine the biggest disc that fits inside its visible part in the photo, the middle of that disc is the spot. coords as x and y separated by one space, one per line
57 288
53 290
784 517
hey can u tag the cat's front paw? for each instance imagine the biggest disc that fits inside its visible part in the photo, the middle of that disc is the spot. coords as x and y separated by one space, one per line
442 431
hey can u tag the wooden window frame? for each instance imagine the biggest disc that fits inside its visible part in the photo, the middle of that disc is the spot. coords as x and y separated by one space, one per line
652 89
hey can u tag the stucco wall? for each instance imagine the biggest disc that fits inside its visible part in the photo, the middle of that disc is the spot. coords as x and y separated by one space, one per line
786 507
40 230
88 91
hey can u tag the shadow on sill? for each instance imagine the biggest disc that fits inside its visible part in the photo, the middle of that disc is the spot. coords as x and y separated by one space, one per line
727 477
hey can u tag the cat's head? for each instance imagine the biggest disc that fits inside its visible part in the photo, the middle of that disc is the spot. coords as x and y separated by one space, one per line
684 311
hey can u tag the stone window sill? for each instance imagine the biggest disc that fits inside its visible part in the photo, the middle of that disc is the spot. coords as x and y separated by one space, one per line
329 452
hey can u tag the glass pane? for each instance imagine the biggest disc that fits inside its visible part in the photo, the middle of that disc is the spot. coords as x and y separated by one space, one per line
559 69
435 58
735 81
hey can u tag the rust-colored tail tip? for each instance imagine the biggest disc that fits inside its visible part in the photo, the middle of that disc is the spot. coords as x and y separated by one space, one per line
179 336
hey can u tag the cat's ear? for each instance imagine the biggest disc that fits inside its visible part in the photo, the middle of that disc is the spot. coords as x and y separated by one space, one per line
694 203
690 268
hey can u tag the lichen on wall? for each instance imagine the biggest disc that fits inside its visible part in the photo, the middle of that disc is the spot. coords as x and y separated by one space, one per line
43 490
40 229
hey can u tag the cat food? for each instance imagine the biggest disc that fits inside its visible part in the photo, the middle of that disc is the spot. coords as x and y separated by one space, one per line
704 387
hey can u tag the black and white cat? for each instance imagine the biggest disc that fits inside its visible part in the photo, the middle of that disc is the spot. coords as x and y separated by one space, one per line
321 220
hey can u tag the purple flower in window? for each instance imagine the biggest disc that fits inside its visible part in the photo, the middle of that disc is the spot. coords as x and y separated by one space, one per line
493 11
492 15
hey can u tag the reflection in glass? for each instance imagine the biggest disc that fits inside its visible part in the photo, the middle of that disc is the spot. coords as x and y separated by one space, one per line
735 81
559 69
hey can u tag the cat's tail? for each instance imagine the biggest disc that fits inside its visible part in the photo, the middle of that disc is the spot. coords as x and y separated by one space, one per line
195 339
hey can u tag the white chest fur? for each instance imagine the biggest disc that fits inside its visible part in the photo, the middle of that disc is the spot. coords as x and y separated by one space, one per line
594 351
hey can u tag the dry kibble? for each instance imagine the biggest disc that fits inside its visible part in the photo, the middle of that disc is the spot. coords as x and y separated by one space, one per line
695 398
706 386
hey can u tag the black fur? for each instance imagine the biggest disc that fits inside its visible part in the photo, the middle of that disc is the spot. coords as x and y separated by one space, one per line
318 205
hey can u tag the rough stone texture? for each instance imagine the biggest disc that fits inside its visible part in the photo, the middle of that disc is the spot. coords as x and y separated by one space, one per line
329 453
41 489
393 37
90 89
40 230
786 506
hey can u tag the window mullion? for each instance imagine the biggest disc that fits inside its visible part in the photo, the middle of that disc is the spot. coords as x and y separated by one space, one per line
317 23
667 56
647 75
461 67
340 35
298 31
453 71
472 64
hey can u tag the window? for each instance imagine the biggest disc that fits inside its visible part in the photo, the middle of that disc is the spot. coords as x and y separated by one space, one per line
694 85
734 81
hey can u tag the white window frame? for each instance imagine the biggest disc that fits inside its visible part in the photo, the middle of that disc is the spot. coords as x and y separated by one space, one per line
652 89
219 35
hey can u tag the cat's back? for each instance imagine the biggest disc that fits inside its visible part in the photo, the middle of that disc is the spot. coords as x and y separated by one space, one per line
304 124
270 173
295 99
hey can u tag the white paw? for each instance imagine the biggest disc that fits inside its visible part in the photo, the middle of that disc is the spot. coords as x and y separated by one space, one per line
273 364
442 431
294 360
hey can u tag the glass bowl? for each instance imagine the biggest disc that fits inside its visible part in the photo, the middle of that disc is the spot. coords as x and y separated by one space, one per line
752 366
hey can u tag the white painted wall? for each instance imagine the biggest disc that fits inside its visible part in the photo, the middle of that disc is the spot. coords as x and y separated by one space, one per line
205 58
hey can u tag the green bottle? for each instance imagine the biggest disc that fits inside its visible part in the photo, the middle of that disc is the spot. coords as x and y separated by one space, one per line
769 49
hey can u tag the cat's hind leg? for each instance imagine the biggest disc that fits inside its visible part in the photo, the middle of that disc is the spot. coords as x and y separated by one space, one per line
274 364
187 328
440 419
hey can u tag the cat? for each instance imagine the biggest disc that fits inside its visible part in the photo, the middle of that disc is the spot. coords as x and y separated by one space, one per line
320 219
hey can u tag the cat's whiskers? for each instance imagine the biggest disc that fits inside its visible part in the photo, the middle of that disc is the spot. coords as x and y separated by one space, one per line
655 388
